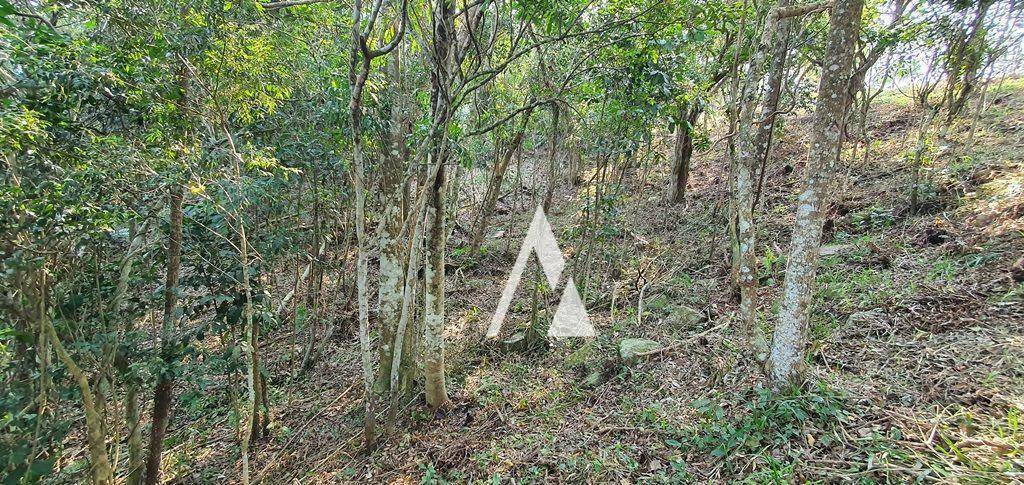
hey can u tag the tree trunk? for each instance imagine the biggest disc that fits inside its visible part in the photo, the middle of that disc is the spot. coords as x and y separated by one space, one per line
389 288
261 404
927 117
250 351
976 115
436 235
403 350
494 186
732 113
359 69
165 382
790 338
964 75
770 103
362 271
389 244
133 420
437 394
316 249
100 471
552 155
753 131
682 153
576 163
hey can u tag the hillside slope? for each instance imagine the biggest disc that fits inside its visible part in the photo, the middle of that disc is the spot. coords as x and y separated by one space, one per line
917 361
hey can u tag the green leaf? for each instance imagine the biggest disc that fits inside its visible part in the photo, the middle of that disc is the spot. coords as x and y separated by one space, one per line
6 9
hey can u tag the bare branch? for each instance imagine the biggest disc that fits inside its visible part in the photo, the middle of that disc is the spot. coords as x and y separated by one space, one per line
33 16
390 46
289 3
527 107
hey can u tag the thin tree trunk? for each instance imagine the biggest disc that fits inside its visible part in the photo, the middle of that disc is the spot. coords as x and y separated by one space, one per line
42 355
552 155
576 163
358 72
316 249
732 113
969 142
790 338
434 301
162 393
402 350
362 271
869 97
100 470
494 186
967 63
682 152
927 117
250 351
770 103
752 147
254 381
261 405
133 420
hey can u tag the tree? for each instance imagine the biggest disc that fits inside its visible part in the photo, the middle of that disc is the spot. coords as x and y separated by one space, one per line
790 339
682 151
441 111
963 61
503 157
757 112
359 69
165 382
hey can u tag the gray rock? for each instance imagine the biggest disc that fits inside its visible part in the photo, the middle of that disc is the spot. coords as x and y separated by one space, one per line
631 348
683 316
517 342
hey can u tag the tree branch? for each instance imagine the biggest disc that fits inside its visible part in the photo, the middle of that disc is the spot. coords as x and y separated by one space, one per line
800 10
390 46
289 3
526 107
35 17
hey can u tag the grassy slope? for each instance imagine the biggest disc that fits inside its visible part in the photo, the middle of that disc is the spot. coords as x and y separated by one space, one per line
917 354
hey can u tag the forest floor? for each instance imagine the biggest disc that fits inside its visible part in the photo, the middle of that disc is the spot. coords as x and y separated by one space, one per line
917 363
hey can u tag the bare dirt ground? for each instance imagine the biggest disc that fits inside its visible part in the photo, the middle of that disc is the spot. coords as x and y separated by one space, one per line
917 363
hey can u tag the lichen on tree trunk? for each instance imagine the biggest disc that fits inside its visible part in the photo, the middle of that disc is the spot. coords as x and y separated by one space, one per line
790 337
434 301
754 124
